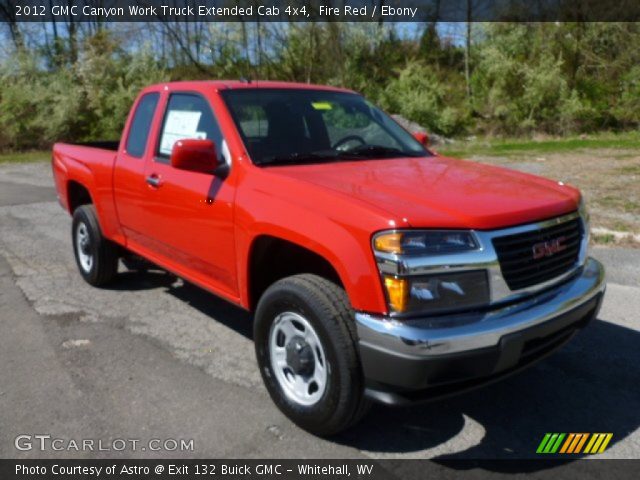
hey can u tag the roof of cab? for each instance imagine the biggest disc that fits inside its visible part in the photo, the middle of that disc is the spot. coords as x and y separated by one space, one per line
238 84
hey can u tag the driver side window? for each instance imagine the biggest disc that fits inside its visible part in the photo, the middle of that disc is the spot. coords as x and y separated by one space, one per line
188 116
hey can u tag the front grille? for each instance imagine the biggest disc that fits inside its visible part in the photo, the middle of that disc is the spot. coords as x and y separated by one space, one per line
516 254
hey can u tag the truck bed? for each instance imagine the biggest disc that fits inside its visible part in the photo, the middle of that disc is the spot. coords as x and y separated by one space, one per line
91 164
90 154
101 144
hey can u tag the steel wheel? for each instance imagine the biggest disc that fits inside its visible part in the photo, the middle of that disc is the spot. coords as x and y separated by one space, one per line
96 257
83 247
297 358
306 347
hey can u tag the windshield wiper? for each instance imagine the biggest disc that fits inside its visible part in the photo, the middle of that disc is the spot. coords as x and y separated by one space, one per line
376 151
363 152
298 158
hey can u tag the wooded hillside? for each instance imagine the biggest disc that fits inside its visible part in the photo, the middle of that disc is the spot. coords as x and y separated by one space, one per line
76 81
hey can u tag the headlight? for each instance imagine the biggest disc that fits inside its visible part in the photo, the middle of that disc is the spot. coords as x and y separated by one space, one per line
431 292
421 242
437 293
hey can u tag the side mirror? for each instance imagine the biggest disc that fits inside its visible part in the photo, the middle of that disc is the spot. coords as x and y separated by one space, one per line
422 137
195 155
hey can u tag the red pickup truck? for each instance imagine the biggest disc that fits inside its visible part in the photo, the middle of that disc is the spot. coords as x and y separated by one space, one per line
377 270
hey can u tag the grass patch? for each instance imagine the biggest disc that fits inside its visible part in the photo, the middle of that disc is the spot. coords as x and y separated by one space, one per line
630 170
611 240
24 157
625 155
618 203
621 226
603 238
516 147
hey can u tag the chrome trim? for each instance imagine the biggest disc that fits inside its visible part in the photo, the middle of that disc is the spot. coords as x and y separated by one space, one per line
433 336
485 257
586 226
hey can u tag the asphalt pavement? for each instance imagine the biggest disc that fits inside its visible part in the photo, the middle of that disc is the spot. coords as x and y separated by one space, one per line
153 357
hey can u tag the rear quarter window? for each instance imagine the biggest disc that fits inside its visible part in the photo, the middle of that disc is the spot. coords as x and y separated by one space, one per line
141 124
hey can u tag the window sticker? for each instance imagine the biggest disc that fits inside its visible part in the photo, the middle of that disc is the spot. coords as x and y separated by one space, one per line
180 124
321 105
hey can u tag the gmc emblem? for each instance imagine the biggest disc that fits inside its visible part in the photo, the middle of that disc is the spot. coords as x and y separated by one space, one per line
547 249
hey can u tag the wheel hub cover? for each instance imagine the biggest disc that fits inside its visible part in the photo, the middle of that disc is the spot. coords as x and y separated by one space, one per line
299 356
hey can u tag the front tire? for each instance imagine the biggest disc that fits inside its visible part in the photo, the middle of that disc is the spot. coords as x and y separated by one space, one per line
96 256
305 343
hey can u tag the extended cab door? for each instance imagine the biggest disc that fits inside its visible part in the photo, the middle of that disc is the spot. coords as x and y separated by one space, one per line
187 217
128 176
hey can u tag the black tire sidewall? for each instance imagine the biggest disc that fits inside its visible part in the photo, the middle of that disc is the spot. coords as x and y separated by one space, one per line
317 417
86 215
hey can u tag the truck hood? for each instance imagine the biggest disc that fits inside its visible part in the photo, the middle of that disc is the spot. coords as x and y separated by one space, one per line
442 192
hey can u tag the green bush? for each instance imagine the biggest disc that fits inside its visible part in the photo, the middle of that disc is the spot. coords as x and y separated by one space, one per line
20 97
627 109
518 90
89 100
419 95
555 78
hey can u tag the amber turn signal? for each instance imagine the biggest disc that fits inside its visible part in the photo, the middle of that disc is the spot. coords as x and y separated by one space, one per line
388 242
397 292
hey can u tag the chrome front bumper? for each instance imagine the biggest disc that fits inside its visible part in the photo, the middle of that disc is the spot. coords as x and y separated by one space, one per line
426 358
432 336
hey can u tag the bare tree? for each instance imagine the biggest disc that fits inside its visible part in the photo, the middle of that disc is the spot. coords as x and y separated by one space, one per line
467 48
8 16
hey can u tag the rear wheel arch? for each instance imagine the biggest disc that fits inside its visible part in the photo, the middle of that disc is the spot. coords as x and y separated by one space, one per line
77 195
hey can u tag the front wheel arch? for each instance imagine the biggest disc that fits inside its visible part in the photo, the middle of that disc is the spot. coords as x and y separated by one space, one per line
273 258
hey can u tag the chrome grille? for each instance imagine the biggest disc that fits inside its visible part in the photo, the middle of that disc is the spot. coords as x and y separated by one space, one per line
516 254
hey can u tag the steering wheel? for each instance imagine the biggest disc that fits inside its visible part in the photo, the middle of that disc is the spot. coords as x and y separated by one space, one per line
348 138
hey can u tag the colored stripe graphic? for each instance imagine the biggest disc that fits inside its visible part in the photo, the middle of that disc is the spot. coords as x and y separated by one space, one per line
591 443
598 443
605 442
556 445
573 442
550 443
567 443
576 439
596 446
581 442
543 443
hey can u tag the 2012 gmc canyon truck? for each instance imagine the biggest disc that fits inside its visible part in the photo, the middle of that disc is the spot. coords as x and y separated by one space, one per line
376 269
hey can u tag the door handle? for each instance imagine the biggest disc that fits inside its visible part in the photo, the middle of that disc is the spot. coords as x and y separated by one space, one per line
154 180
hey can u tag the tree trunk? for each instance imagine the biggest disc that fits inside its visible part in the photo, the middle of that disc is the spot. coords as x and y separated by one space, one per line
467 50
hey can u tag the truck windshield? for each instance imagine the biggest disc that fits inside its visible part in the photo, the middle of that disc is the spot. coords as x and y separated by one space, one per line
296 126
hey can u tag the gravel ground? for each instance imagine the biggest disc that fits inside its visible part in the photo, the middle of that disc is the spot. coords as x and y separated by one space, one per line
609 179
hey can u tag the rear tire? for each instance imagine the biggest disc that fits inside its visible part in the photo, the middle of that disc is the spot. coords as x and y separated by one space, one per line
305 341
96 256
